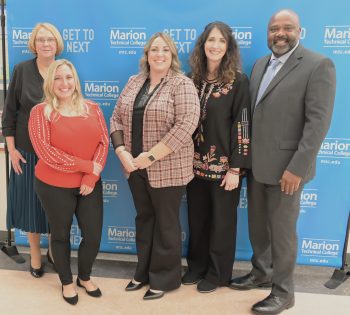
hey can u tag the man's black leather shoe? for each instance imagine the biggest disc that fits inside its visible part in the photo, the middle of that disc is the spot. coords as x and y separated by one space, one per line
273 305
151 295
248 282
134 286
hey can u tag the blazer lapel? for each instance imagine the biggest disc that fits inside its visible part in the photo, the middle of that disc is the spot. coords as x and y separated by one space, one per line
259 71
291 63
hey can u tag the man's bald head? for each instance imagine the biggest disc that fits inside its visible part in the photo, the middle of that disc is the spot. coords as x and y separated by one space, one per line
283 32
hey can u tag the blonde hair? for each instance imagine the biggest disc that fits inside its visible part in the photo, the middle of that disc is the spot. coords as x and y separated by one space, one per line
51 28
52 103
175 62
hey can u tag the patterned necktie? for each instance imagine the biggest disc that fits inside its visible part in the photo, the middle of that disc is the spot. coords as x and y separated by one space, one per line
268 76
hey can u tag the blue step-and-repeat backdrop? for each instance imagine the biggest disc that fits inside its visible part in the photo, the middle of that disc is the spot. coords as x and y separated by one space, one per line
105 38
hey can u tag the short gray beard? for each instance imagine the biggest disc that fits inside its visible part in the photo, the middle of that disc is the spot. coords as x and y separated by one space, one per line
281 51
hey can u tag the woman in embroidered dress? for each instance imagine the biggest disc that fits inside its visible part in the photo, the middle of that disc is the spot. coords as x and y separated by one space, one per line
221 143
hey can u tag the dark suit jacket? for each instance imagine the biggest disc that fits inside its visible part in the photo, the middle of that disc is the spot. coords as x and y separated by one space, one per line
292 117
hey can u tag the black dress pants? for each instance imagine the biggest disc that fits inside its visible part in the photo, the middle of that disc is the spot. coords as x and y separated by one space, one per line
272 218
60 204
158 232
212 218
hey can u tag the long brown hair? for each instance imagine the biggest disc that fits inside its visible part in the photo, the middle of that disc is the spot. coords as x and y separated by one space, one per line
230 63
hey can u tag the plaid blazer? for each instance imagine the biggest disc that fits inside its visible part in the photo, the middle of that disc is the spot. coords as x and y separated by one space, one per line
170 116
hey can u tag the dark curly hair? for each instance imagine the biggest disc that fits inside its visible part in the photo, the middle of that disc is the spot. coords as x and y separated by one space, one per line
230 63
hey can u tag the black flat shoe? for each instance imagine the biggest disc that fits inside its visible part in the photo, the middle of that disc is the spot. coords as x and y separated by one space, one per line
191 278
95 293
150 295
71 300
134 286
49 259
36 273
204 286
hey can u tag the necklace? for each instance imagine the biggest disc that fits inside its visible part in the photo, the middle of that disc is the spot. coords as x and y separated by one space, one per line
203 100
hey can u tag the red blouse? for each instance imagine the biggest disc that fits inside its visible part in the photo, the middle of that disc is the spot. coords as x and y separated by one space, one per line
68 146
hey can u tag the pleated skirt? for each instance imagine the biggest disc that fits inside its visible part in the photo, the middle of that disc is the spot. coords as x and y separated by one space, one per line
24 210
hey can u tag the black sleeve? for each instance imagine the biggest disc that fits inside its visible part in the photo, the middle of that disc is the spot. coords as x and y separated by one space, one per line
241 126
11 106
117 138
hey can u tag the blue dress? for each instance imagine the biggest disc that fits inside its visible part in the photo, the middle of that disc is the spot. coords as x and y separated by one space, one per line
24 210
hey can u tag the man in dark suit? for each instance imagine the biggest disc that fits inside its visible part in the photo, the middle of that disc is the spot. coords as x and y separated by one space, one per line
292 93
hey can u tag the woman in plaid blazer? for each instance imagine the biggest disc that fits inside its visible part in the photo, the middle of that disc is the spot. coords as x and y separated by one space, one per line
151 130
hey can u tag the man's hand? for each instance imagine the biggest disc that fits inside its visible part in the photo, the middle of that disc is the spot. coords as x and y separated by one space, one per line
289 183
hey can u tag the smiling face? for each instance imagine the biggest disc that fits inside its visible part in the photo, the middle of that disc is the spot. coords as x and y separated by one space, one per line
283 33
45 44
159 57
64 84
215 46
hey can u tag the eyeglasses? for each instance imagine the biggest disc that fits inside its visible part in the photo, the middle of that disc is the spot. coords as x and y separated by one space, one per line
49 40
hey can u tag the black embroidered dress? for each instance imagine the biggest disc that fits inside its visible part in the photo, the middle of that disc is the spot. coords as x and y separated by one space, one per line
222 139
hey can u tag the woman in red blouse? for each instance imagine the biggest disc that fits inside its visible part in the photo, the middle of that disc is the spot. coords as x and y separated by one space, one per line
70 137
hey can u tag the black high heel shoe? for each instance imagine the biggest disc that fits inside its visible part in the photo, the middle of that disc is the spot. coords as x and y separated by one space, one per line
36 273
71 300
95 293
151 295
134 286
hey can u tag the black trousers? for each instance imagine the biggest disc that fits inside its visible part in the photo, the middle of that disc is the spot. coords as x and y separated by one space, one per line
272 219
158 232
212 218
60 205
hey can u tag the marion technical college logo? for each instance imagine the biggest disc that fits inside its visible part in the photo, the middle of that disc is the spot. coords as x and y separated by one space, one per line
320 250
337 37
334 151
110 189
309 198
104 92
121 237
20 38
127 40
243 35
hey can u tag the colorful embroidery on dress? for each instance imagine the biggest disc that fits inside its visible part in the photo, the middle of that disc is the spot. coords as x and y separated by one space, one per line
209 162
204 92
243 133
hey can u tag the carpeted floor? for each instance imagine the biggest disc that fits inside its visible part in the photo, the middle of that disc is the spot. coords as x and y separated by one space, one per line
22 294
